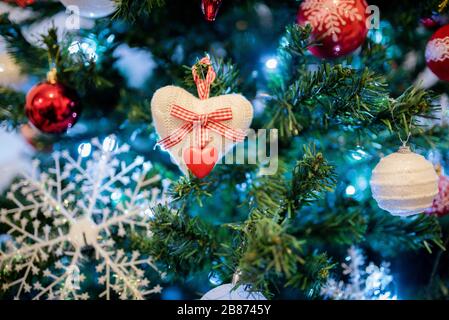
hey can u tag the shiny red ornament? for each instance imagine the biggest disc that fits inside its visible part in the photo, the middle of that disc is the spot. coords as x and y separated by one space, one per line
21 3
210 8
200 161
338 25
440 206
429 22
437 53
52 107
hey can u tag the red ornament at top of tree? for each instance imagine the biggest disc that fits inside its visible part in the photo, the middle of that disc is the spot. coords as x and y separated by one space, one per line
21 3
210 8
52 107
338 25
437 53
440 205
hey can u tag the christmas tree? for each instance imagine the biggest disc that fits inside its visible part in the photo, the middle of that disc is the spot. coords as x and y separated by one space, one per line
319 129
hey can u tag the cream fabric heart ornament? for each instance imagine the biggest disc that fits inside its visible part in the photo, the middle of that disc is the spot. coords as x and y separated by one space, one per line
169 101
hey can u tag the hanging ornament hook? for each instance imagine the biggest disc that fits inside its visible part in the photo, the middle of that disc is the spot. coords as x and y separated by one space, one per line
236 277
404 142
52 76
408 130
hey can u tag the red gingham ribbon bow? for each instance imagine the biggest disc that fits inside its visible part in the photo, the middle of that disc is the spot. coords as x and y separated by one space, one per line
204 122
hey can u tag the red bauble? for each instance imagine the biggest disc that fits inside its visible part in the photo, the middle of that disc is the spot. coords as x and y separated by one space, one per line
21 3
429 22
52 107
338 25
210 8
200 161
440 206
437 53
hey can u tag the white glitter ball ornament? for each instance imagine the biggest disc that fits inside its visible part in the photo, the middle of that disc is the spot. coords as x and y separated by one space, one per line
90 8
230 292
404 183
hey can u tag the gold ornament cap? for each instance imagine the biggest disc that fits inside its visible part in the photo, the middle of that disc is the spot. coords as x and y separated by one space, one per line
52 76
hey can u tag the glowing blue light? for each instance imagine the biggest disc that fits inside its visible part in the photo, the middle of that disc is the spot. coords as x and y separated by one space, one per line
116 195
214 279
74 47
378 37
147 166
172 293
358 154
271 63
84 149
111 38
388 296
109 144
88 47
362 183
350 190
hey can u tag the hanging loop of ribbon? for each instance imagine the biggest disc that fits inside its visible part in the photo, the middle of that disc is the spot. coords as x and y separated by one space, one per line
203 85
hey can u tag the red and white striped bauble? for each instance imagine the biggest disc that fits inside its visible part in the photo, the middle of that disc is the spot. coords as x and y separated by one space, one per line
437 53
338 25
440 205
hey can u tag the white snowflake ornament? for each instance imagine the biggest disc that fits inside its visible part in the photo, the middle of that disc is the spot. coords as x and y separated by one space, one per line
77 214
370 283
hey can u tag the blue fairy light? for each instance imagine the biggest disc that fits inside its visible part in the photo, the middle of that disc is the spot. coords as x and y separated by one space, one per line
214 279
87 47
116 196
109 143
358 154
350 190
84 149
271 64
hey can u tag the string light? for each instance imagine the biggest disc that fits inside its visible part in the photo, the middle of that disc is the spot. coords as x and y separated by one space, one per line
350 190
84 149
271 64
109 144
358 154
88 47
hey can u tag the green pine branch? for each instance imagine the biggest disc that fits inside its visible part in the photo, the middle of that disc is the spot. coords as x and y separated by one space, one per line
184 245
390 235
226 82
267 192
342 95
77 70
12 107
326 226
131 9
31 59
311 177
285 195
270 255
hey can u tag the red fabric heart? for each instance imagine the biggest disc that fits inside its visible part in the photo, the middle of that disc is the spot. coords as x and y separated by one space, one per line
200 161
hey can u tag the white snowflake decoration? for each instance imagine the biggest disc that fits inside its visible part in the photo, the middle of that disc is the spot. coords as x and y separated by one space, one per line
371 283
81 205
330 15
